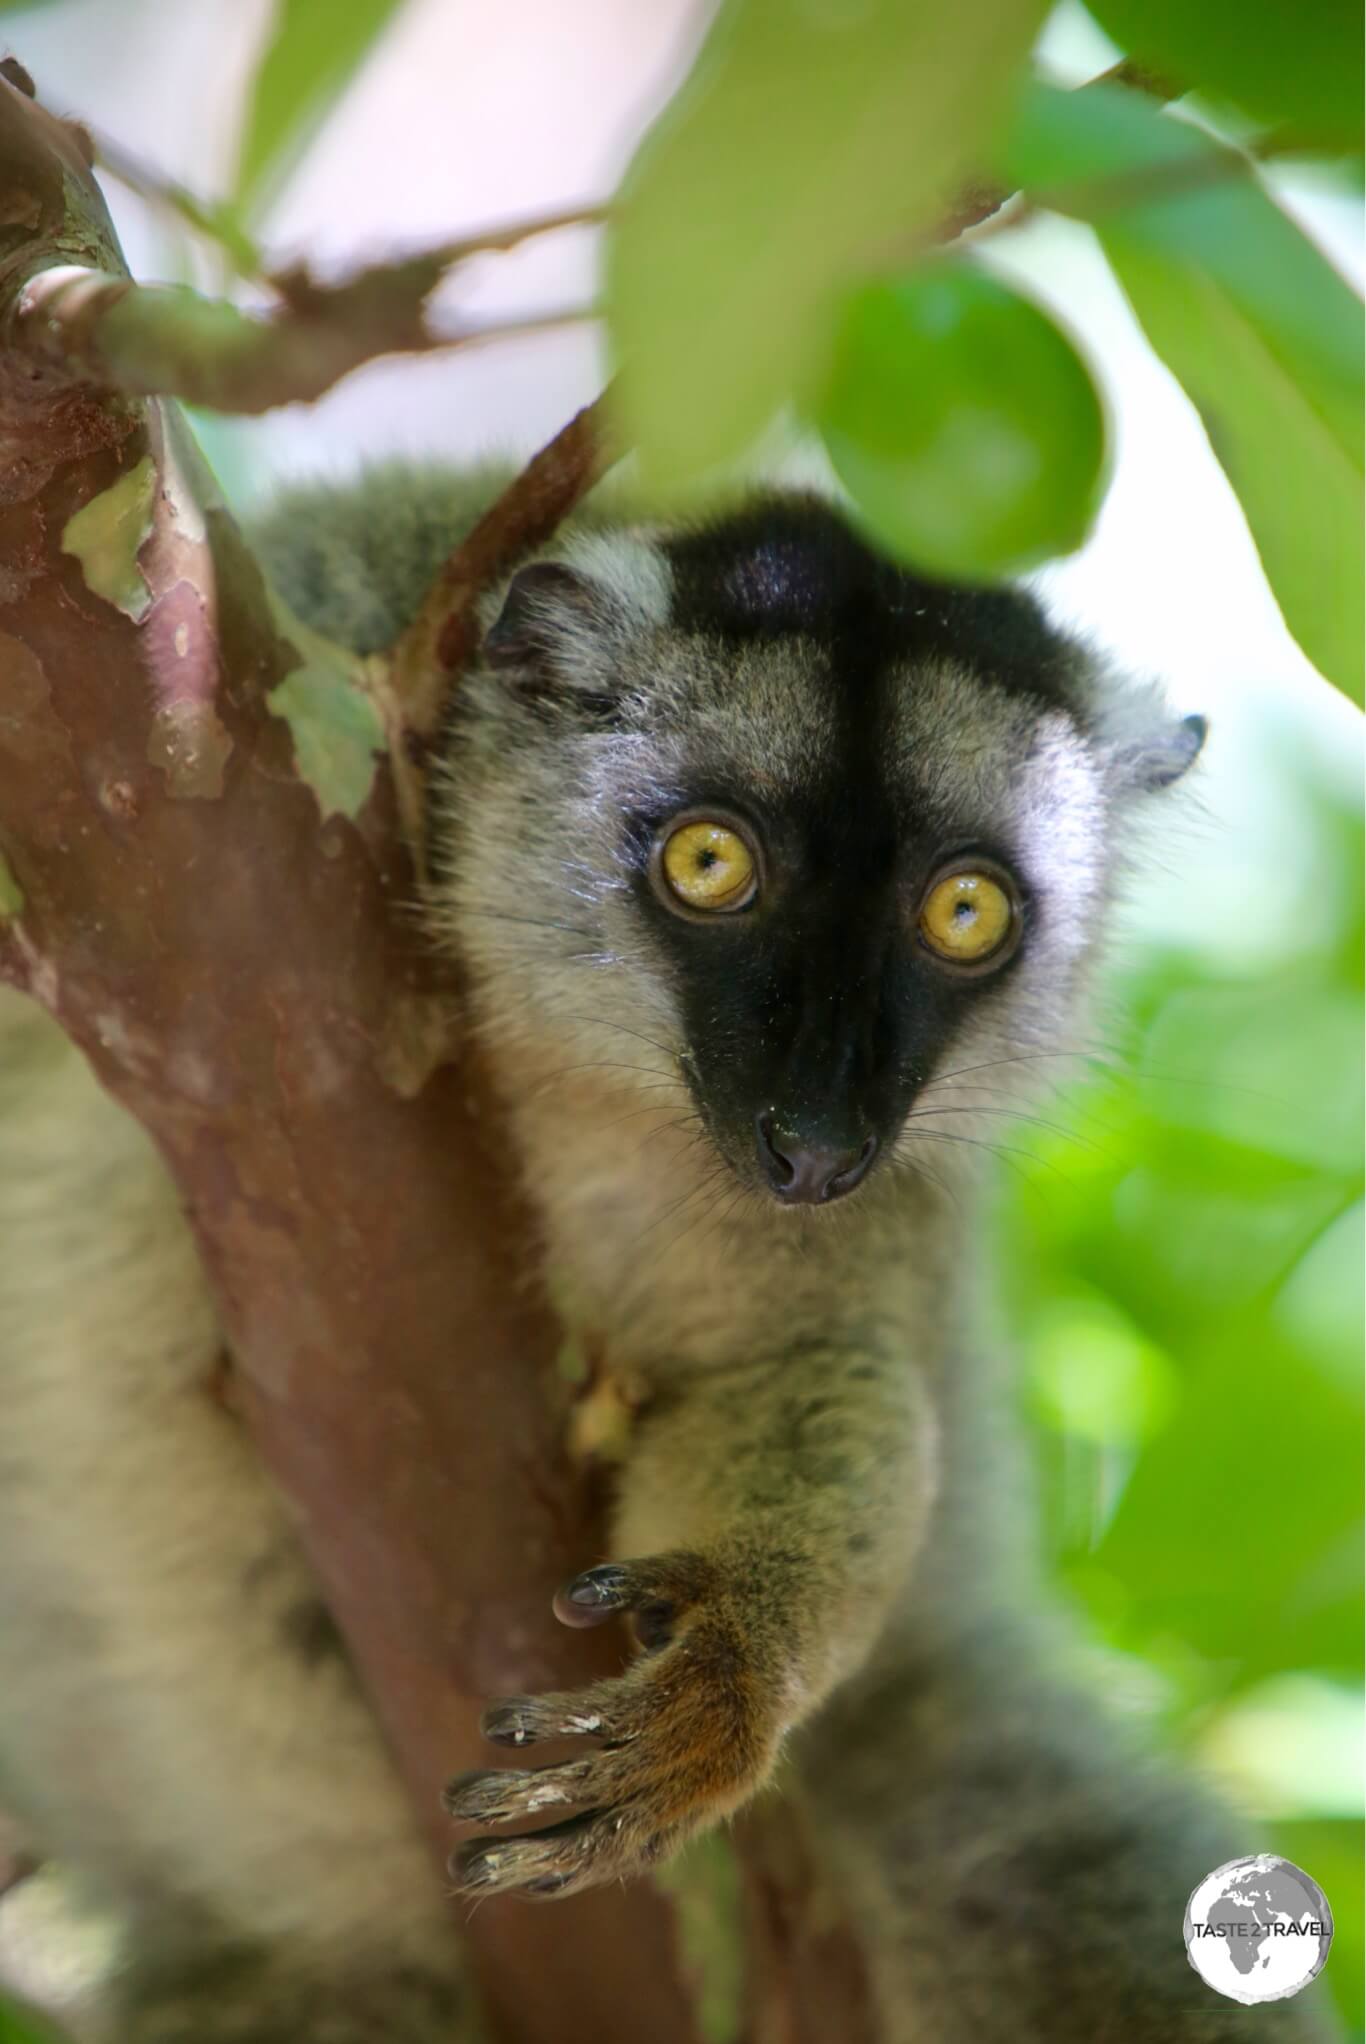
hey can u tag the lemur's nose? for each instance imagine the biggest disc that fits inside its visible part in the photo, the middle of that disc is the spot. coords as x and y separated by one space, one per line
802 1173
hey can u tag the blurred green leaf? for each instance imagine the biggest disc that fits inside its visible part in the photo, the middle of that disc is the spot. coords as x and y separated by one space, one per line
963 423
1092 1375
1282 60
1207 1542
1262 332
1190 1302
1299 487
18 2027
314 51
807 139
1329 1850
1289 1745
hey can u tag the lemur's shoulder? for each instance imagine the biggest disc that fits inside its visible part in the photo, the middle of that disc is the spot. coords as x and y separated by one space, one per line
354 558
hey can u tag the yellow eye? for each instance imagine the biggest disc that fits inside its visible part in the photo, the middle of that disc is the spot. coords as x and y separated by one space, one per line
708 866
967 917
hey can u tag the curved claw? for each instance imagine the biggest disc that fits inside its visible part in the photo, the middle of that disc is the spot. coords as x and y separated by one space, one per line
657 1591
494 1865
527 1720
498 1795
595 1595
579 1852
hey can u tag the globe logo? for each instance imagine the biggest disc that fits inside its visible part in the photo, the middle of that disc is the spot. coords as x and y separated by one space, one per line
1258 1929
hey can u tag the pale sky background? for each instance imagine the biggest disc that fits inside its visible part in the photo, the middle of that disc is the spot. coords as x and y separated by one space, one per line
466 115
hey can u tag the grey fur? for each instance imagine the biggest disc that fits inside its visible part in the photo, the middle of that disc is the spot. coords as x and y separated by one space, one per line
820 1491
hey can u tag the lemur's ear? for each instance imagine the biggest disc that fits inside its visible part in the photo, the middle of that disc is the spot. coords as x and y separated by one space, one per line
542 601
1160 755
562 637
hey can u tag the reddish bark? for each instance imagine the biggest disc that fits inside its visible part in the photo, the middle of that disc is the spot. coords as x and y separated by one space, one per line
234 970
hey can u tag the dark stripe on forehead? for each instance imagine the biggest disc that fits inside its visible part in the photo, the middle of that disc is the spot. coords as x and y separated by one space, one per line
793 564
790 568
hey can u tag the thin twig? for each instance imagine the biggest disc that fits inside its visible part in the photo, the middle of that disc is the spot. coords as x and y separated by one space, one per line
156 340
445 632
219 220
160 340
496 240
215 218
982 201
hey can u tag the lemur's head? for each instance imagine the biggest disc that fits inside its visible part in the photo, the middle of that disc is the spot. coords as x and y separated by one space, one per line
751 805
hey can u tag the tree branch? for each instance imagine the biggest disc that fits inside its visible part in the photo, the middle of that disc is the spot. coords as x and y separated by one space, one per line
91 326
445 632
150 339
228 957
218 220
166 339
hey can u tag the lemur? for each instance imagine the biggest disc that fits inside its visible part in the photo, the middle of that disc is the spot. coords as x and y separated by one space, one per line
773 870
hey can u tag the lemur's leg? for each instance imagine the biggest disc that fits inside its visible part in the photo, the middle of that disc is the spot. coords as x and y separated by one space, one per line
766 1517
1021 1873
175 1718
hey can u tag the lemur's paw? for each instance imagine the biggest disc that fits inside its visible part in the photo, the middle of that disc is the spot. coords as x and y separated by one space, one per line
683 1737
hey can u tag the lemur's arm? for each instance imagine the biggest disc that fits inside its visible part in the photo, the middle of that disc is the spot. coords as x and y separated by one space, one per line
767 1516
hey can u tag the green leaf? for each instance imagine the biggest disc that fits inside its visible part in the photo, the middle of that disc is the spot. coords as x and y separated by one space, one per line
1298 485
337 732
1261 331
963 423
1281 60
18 2027
1188 1569
1330 1851
1212 1215
311 58
107 533
806 140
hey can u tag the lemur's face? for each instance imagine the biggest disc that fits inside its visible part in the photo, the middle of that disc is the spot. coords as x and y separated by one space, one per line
826 949
832 842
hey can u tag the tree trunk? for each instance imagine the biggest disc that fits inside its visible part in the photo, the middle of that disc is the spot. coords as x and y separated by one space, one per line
228 957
